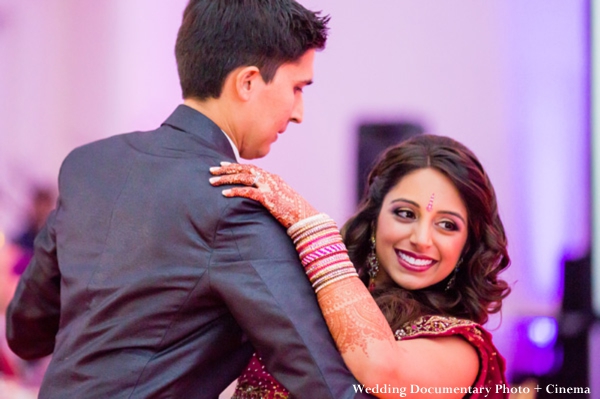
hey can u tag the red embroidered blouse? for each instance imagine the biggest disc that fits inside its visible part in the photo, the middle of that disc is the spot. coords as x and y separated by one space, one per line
257 383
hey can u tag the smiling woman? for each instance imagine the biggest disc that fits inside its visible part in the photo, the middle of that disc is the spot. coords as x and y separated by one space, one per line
463 231
428 242
420 241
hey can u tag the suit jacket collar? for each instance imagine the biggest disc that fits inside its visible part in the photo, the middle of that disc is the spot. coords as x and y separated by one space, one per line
191 121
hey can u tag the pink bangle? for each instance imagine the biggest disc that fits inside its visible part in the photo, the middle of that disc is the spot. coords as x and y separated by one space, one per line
318 244
329 237
326 262
322 252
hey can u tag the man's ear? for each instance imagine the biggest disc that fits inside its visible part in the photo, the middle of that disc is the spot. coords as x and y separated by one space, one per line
246 81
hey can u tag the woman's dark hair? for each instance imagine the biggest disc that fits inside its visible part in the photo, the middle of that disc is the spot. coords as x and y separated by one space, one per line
218 36
477 290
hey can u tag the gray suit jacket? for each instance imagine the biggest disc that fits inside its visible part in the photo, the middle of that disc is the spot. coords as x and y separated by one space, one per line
147 283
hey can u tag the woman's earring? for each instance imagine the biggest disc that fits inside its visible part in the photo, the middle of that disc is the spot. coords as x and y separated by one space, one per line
453 278
373 264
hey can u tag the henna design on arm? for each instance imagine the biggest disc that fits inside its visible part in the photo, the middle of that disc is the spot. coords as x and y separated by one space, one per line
353 317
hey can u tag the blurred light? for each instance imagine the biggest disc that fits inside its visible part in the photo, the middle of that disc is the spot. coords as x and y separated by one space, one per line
2 240
542 331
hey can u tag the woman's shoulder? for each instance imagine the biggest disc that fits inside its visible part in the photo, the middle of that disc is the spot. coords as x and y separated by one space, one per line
492 365
447 326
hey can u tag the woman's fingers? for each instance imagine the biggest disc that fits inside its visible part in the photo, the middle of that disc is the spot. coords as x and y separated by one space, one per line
246 192
227 168
245 179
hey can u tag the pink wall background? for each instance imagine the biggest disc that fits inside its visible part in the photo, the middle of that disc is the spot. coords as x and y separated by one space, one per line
507 78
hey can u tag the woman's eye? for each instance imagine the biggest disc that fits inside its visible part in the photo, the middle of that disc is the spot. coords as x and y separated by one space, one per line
448 225
405 213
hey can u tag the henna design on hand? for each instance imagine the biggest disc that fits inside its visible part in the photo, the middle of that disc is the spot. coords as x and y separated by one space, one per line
284 203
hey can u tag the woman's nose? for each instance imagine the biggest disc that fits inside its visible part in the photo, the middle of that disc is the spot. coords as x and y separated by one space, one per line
421 235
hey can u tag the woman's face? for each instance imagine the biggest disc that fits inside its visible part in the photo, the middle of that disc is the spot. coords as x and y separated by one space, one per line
421 230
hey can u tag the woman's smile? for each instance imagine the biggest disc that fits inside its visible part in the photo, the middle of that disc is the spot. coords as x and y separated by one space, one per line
414 262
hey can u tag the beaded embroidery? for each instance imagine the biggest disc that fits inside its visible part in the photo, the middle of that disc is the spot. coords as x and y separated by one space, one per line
492 367
252 392
257 383
433 325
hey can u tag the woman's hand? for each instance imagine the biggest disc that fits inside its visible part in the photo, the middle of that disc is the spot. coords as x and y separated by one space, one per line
284 203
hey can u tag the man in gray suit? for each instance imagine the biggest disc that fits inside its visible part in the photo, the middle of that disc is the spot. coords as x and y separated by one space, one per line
146 282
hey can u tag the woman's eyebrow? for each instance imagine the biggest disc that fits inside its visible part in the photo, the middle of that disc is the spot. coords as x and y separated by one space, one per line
456 214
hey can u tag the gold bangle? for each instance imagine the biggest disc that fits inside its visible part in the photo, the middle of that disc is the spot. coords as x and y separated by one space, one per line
302 224
314 230
333 280
326 261
334 272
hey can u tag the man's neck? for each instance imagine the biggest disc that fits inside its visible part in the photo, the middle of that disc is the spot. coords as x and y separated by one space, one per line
212 110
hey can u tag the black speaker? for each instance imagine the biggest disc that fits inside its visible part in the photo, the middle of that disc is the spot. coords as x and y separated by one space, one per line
373 139
575 321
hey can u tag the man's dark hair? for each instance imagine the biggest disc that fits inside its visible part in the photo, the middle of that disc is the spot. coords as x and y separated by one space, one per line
218 36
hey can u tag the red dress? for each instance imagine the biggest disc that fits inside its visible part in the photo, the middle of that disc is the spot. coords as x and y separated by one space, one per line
257 383
491 363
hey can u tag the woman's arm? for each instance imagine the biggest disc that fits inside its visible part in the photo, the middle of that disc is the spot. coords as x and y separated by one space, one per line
358 327
360 330
375 358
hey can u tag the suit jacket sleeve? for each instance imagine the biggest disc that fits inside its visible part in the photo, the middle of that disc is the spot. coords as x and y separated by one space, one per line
33 315
256 271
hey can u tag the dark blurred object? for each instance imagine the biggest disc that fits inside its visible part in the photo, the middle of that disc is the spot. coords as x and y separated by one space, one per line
577 297
575 322
42 203
373 139
28 374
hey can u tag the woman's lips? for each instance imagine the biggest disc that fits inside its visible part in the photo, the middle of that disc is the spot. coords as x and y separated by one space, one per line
413 262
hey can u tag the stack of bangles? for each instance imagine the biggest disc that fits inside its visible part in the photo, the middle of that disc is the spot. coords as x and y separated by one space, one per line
321 250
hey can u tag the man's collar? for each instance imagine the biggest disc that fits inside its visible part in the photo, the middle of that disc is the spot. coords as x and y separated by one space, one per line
233 147
189 120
